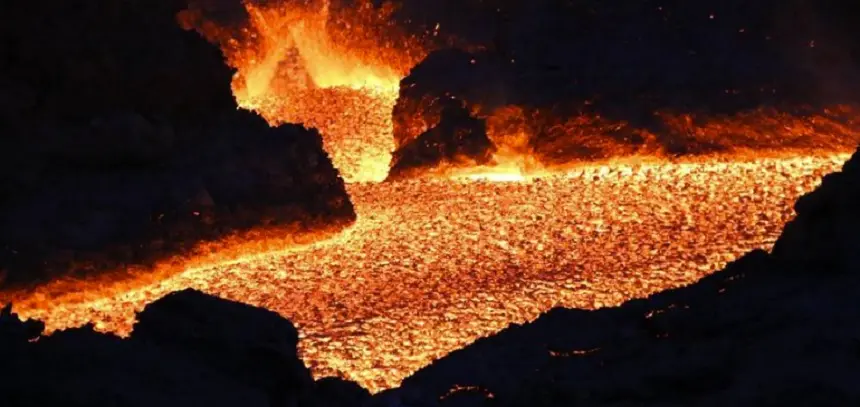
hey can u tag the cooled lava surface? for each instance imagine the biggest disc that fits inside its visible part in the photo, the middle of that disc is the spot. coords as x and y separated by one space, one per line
433 264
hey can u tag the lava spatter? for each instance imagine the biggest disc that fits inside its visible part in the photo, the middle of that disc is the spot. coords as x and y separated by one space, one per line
315 63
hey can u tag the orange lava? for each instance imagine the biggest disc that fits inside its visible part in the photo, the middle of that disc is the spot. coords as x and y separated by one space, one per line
334 69
433 264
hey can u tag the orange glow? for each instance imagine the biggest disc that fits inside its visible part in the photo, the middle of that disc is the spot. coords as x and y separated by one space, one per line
582 138
533 143
231 249
337 70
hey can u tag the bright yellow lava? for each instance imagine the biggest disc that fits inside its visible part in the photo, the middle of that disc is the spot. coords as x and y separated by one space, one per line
433 264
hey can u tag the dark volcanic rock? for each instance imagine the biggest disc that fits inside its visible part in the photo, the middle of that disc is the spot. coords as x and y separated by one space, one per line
823 237
444 75
457 138
433 122
249 345
187 349
334 392
122 144
669 52
14 332
80 58
81 367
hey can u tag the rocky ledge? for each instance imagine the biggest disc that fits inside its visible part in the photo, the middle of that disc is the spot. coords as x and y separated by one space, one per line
188 349
122 145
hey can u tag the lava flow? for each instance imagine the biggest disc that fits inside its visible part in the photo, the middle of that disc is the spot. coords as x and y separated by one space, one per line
335 70
434 263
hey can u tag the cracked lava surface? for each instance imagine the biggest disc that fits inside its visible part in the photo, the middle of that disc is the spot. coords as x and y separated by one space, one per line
433 264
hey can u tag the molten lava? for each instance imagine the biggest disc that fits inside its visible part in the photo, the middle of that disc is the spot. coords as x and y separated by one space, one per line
434 263
337 70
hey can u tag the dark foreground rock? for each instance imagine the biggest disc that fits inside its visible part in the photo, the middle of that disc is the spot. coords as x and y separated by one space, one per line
823 237
254 346
458 139
187 349
121 144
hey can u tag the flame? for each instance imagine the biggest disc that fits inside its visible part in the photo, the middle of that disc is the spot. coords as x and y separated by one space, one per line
300 38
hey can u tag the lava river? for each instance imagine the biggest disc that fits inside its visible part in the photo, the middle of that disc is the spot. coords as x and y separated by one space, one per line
433 264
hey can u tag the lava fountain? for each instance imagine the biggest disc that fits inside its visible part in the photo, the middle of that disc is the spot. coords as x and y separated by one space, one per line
335 70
